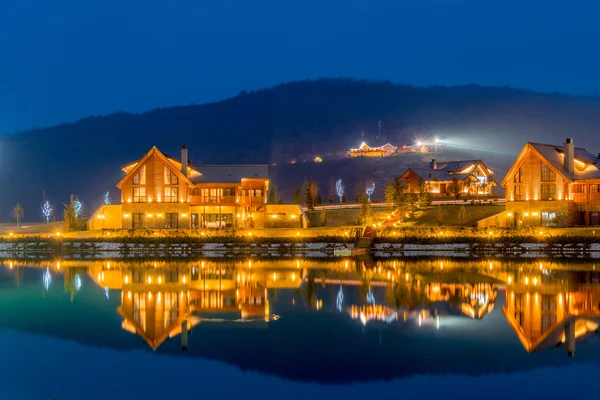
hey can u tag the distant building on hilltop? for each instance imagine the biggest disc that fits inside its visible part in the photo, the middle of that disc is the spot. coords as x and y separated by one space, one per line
472 176
552 185
414 147
365 151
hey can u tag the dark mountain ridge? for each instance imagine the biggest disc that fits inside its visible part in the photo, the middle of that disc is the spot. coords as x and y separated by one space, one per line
292 121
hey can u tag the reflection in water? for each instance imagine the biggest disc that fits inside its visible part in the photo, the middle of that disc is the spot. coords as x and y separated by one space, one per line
546 305
548 309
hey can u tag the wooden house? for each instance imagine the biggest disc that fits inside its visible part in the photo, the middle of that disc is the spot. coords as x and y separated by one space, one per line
473 178
553 185
161 192
365 150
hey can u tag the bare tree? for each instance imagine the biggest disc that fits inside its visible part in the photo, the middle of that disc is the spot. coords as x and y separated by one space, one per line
17 213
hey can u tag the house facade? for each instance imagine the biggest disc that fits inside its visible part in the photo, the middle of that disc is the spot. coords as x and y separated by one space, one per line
162 192
550 185
471 177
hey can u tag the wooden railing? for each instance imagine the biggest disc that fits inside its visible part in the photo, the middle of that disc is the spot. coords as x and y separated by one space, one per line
213 201
579 197
593 197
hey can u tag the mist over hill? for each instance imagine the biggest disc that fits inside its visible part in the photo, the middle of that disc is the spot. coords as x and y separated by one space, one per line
293 121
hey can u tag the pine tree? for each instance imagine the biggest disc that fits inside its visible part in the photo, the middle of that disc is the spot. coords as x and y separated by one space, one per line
311 190
272 196
69 215
454 189
424 198
318 199
364 216
298 196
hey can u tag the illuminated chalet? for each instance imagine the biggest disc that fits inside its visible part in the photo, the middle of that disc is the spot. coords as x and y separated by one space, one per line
553 185
365 151
161 192
472 177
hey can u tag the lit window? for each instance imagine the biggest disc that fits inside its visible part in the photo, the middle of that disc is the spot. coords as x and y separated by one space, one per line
170 177
140 177
139 194
547 175
171 194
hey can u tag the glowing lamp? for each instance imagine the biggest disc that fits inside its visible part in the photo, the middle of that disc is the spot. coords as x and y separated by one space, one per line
57 234
509 214
159 215
297 233
149 215
10 234
184 215
293 216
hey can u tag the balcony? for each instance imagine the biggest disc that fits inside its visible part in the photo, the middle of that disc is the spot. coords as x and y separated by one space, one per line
246 201
580 198
212 201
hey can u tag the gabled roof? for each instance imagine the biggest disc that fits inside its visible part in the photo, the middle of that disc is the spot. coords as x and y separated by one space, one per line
457 166
428 174
554 157
132 168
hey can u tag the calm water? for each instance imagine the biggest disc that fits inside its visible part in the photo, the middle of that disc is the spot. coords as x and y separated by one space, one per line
294 328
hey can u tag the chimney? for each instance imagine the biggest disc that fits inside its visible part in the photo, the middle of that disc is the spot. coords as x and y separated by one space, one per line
433 164
184 160
569 152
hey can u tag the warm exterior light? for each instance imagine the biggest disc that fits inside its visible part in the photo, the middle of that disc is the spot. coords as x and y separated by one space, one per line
274 216
297 233
184 279
526 281
293 216
149 215
57 234
149 199
534 281
126 279
249 233
10 234
129 200
239 216
160 280
159 215
126 215
491 233
509 214
149 280
535 214
509 279
541 233
526 214
184 215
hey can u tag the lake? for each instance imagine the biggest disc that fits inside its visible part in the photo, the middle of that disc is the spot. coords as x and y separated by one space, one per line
296 328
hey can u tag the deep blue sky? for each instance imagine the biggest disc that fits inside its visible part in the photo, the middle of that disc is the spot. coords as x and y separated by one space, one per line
65 59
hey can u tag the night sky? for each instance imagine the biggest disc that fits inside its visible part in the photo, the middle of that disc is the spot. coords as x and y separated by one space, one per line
63 60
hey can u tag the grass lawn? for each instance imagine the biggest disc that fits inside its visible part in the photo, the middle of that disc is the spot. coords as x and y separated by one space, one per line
31 228
450 213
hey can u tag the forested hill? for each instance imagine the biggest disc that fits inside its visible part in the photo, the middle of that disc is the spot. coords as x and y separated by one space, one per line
291 121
